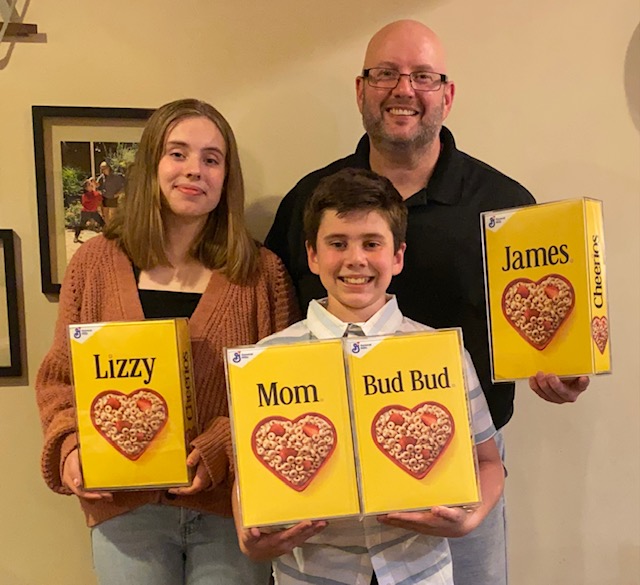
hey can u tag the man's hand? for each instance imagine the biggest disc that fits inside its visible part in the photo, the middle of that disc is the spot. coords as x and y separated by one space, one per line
559 390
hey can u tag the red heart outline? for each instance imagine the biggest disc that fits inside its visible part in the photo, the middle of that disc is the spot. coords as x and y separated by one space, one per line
117 393
598 341
538 346
269 419
443 448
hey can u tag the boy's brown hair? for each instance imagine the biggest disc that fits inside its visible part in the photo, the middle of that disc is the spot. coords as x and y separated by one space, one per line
356 190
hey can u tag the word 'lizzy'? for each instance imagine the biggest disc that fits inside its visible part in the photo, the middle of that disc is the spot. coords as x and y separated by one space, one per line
125 368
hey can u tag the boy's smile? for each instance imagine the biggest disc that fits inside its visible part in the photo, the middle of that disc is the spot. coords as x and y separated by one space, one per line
355 260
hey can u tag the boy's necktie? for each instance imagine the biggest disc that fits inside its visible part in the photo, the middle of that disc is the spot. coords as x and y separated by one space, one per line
353 330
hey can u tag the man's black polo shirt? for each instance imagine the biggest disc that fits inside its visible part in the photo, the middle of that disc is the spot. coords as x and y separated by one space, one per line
442 283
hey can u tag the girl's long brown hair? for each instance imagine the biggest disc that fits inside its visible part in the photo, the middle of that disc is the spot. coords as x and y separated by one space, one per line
224 243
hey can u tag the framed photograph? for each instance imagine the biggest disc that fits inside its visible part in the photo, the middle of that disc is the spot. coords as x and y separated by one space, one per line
10 353
81 157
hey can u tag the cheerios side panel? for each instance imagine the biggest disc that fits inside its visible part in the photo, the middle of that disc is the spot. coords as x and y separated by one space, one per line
600 326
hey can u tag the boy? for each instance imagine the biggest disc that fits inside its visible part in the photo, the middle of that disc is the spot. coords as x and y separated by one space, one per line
355 225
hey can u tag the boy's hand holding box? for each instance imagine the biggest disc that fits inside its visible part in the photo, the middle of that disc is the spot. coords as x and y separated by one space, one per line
135 403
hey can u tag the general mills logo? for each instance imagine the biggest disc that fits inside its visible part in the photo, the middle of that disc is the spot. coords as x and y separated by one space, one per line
492 221
355 348
77 333
236 357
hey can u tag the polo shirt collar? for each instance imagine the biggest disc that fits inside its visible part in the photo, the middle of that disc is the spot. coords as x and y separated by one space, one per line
324 325
445 185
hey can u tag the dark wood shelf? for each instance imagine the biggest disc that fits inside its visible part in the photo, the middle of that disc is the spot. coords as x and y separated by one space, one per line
17 29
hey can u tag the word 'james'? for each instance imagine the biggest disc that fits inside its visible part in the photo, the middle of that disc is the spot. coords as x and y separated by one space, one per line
534 257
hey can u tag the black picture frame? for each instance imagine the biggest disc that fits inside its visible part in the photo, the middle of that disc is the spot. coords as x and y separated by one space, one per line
49 124
9 315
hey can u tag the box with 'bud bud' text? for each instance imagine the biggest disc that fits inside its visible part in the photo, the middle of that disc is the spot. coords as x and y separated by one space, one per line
411 417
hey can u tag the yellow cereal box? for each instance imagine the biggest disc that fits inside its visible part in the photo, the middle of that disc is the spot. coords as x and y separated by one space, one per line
135 402
546 289
411 418
291 432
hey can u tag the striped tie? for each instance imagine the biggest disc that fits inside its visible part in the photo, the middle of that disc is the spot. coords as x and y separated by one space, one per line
353 330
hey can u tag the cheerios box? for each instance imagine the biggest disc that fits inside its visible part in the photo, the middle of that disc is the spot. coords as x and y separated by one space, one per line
291 432
546 289
411 417
135 404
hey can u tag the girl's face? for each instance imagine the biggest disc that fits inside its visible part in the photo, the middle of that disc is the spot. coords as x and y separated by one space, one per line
192 168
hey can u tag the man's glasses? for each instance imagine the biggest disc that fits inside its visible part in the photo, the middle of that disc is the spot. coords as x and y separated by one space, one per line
389 78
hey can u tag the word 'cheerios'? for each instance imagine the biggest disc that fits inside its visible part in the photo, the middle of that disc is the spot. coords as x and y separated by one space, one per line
536 310
129 421
294 450
413 439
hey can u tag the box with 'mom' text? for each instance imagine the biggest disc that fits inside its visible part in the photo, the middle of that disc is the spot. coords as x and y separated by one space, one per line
546 289
134 396
291 432
410 413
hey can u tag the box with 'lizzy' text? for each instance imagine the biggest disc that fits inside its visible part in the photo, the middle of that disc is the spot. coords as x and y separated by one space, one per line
546 289
135 404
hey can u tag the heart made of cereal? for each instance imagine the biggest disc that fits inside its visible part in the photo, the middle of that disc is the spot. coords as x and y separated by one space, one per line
414 439
129 422
600 332
294 450
537 310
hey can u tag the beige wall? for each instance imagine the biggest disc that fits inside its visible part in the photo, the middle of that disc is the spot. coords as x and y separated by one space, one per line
547 91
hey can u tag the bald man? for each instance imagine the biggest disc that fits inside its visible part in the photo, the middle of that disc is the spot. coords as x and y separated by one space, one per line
404 94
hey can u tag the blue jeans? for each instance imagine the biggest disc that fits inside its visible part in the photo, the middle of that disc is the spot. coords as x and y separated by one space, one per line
480 558
167 545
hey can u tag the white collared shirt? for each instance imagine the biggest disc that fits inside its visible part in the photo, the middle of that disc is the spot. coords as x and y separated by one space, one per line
348 551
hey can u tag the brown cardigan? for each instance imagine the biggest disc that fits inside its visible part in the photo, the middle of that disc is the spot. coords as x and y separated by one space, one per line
99 285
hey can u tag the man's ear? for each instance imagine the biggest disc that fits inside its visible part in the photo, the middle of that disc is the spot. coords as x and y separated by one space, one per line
447 99
312 258
360 92
398 259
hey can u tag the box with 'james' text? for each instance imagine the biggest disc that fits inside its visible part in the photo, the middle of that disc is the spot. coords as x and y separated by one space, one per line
546 289
135 405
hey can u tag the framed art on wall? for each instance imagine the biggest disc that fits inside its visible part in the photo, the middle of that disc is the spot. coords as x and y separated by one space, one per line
10 352
81 157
